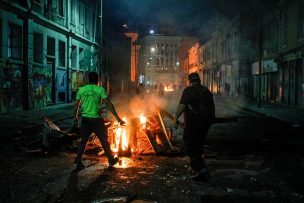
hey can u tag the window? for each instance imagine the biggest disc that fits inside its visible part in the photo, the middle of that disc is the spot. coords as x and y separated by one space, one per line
61 54
88 20
60 8
50 46
81 19
38 47
74 57
284 28
15 41
72 13
0 39
301 24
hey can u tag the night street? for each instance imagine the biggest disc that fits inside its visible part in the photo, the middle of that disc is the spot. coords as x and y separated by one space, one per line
256 159
152 101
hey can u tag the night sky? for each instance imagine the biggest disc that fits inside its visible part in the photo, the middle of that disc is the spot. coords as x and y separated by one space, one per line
195 18
176 17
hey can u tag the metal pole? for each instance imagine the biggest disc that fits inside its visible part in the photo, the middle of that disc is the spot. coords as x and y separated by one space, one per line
260 63
25 61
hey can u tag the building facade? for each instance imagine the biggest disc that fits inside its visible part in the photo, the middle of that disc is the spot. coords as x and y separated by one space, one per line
281 76
47 48
160 59
226 59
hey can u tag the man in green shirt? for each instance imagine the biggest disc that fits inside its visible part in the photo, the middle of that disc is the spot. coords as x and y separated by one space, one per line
90 98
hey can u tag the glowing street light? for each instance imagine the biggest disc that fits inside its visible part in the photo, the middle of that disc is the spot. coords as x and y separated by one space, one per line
152 49
151 31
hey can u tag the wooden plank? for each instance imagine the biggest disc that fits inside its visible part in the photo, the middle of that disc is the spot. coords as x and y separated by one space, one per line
164 129
153 142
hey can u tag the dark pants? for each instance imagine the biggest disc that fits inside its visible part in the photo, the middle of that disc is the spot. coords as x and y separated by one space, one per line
96 125
194 139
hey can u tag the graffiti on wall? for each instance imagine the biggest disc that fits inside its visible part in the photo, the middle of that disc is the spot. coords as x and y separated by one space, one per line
39 87
78 80
11 88
61 83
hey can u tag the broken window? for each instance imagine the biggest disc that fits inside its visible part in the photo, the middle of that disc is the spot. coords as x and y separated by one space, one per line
38 47
15 41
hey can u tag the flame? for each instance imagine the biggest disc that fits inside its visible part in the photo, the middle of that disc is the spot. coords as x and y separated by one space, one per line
142 119
169 88
121 137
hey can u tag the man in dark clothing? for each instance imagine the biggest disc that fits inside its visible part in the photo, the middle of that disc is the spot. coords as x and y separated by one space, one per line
195 97
90 97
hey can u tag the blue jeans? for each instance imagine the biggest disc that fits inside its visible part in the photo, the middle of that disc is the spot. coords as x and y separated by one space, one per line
96 125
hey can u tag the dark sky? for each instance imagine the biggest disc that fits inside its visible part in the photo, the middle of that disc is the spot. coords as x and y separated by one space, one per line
176 17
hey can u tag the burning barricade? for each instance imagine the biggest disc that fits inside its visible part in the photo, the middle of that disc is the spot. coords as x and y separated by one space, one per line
142 134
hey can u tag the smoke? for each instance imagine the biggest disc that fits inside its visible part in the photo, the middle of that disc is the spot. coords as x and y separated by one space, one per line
134 105
145 104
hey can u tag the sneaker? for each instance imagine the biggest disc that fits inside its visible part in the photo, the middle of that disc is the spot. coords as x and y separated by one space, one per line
113 162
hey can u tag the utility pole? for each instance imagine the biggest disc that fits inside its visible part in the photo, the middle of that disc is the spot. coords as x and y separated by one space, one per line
260 61
25 71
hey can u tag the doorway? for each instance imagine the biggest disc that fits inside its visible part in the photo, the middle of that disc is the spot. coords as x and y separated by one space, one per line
50 83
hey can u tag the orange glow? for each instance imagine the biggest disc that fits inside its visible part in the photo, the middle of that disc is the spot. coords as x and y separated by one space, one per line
169 89
214 89
121 137
142 119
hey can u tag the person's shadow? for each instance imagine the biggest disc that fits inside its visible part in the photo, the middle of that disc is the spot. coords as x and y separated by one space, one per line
71 190
72 194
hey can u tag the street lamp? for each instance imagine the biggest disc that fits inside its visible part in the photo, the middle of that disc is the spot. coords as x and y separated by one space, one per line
151 31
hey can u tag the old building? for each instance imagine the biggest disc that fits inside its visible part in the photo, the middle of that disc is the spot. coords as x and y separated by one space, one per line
47 47
281 76
160 58
226 58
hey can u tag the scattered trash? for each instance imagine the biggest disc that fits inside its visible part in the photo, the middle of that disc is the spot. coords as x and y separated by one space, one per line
253 179
229 190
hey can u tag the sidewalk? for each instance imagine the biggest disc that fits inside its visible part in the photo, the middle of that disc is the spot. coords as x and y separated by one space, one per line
34 118
289 114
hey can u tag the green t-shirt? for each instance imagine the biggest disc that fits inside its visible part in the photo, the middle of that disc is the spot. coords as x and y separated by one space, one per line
90 97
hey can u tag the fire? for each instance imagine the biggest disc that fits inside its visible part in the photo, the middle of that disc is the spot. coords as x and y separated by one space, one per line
169 88
121 137
142 119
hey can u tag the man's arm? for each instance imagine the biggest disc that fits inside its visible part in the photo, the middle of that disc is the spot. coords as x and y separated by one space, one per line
76 110
179 111
111 108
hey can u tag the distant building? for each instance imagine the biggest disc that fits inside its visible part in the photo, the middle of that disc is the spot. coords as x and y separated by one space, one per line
46 50
160 59
226 58
281 76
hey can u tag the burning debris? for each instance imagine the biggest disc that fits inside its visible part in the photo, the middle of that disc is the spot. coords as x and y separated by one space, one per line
143 134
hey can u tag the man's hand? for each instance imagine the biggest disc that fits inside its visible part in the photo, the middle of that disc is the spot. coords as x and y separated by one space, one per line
121 122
